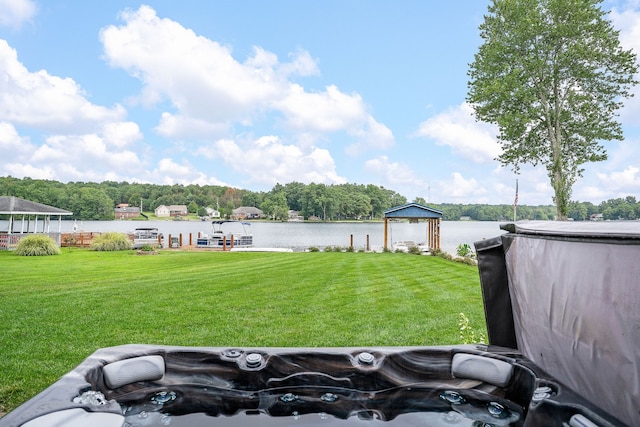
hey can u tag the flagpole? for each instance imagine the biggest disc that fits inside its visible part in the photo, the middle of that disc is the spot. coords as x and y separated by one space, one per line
515 202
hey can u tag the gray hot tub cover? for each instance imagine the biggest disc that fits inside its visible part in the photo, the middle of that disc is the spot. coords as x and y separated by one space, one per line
572 306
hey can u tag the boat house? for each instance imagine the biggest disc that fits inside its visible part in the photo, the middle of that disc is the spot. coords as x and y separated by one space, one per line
415 212
27 217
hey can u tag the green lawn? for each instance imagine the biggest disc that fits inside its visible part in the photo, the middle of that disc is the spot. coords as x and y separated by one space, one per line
56 310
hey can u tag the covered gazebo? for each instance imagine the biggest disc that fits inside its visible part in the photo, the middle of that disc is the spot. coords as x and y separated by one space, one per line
416 212
28 217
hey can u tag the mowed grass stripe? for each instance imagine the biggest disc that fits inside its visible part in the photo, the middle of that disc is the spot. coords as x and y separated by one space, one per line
57 310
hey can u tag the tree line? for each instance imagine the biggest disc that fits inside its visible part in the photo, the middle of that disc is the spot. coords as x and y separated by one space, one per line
96 201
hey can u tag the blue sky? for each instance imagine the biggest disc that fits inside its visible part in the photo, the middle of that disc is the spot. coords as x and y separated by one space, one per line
254 93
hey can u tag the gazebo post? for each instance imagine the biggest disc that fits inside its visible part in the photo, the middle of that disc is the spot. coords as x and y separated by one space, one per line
386 231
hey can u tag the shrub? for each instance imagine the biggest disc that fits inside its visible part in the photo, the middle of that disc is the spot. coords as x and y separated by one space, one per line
327 249
111 242
37 245
464 250
467 333
414 250
314 249
467 260
441 254
350 249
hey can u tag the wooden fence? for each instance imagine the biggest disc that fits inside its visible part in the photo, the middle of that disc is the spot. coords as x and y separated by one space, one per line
81 239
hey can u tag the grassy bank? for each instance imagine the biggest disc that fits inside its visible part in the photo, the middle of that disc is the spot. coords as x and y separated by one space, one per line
57 310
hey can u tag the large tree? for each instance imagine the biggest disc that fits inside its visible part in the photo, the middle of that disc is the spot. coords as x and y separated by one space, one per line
551 74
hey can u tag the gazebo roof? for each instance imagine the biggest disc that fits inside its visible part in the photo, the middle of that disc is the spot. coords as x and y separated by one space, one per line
412 210
11 205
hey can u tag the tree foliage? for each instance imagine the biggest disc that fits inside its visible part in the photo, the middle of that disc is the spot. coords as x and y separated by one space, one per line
551 74
93 201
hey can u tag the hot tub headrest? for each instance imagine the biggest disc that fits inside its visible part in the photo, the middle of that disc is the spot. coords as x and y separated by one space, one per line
486 369
77 417
123 372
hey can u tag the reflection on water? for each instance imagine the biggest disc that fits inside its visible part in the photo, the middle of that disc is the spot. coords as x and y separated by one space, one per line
302 235
398 406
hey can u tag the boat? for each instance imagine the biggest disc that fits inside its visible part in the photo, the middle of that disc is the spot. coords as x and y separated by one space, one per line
219 240
146 236
406 245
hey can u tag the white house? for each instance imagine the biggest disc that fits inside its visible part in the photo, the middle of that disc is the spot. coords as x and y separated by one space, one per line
162 211
212 213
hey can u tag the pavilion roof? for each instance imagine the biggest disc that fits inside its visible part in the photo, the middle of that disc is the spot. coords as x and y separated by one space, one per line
412 210
12 205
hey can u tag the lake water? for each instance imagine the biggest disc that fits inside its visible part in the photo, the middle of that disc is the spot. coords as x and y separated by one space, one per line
302 235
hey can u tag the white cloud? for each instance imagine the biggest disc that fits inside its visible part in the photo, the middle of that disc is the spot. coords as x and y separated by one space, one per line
199 76
627 21
170 172
189 127
395 173
22 170
301 64
46 102
14 13
373 136
626 181
12 145
267 161
459 189
397 176
458 129
211 91
121 134
87 157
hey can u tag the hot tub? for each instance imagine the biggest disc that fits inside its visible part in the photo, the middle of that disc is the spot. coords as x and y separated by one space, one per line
471 385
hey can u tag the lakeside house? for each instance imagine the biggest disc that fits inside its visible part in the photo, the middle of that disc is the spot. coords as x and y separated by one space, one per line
163 211
294 216
247 212
124 211
212 213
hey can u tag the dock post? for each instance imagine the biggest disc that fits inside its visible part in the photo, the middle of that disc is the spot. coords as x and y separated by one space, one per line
351 241
180 239
368 246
